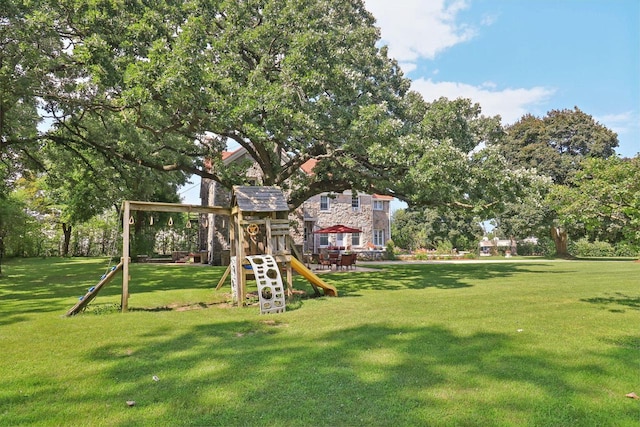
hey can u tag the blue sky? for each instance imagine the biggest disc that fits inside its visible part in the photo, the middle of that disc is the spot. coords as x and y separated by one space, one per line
523 56
515 57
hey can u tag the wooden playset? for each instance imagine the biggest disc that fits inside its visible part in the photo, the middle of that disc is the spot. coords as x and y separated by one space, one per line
260 246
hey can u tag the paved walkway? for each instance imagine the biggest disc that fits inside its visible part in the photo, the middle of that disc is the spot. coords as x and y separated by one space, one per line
370 266
463 261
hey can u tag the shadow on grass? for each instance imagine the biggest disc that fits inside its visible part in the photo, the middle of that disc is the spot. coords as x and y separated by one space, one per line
422 276
250 373
54 285
613 302
37 285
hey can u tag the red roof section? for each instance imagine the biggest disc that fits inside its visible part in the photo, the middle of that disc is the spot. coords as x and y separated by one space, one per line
308 166
381 197
227 154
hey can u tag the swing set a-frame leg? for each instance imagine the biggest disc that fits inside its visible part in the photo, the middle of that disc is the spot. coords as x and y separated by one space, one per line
224 277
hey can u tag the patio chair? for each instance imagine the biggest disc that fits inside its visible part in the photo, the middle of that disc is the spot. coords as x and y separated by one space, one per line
334 257
347 260
324 259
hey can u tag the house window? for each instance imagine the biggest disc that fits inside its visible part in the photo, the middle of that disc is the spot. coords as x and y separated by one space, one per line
355 239
324 203
378 205
378 237
355 203
324 240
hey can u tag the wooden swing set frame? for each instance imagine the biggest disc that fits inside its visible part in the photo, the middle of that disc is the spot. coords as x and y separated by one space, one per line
129 206
259 211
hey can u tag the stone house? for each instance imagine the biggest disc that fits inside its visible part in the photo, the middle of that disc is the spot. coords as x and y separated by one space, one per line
367 212
370 213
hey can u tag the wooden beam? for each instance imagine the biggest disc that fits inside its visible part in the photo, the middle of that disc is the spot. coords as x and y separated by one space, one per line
224 277
241 275
175 207
126 213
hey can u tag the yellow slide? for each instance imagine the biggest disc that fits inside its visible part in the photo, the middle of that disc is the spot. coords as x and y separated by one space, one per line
313 278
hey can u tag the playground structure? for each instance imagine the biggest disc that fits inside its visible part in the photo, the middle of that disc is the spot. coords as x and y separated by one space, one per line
260 246
259 233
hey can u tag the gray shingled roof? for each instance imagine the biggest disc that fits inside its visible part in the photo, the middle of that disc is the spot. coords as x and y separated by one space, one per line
260 199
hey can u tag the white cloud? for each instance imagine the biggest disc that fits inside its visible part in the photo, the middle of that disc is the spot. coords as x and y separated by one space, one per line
420 29
620 122
416 29
510 104
488 20
627 126
407 67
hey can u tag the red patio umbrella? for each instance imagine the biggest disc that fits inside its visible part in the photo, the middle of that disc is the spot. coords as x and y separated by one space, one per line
338 228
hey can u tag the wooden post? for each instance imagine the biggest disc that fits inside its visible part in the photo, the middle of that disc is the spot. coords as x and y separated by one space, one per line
269 238
224 277
126 214
241 272
289 277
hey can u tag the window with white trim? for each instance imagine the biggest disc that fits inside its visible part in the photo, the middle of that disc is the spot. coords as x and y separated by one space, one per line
378 205
324 203
355 239
355 203
324 240
378 237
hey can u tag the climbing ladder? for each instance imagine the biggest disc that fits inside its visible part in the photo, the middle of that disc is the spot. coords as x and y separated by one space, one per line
269 280
84 300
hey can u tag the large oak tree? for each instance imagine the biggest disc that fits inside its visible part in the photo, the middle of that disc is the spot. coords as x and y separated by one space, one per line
287 80
554 146
165 85
603 200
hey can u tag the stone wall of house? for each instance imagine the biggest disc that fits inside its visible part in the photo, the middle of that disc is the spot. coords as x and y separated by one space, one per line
216 238
342 212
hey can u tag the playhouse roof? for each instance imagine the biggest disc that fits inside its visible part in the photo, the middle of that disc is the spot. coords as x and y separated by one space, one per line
259 199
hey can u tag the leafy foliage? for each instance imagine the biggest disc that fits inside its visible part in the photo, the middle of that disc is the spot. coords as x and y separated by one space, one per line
603 200
555 144
164 85
554 147
431 229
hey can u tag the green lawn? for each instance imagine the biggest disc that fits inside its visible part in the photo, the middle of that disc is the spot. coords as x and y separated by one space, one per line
540 343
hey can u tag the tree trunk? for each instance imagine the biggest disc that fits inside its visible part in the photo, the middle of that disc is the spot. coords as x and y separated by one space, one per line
66 231
514 245
1 253
560 239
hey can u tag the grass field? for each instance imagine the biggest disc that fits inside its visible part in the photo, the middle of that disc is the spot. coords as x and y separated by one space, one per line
538 343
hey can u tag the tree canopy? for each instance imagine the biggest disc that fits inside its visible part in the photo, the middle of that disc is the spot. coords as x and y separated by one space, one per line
166 84
554 146
603 200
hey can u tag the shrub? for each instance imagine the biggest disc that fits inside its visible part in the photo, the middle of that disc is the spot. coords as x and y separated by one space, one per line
627 250
528 249
585 248
391 249
444 247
